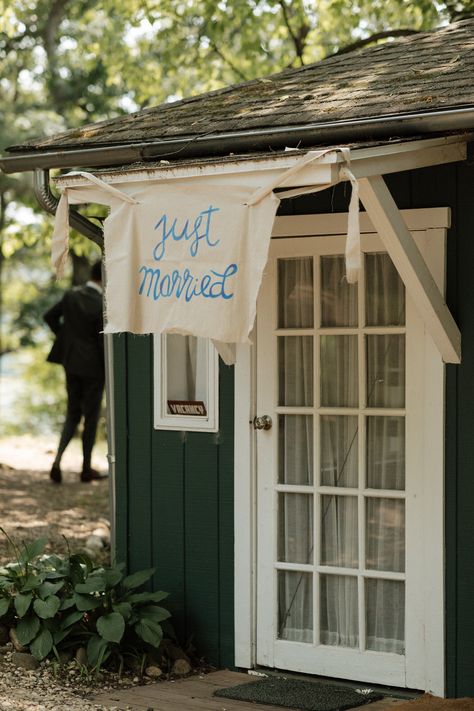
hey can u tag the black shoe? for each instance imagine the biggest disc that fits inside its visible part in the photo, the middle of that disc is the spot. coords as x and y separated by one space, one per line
55 474
92 475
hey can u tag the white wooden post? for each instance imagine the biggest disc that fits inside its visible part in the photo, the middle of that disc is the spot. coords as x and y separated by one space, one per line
411 266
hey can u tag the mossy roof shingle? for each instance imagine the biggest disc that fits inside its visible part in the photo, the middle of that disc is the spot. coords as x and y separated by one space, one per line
423 72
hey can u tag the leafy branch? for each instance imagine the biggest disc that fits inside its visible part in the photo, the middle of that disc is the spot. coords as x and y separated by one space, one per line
375 37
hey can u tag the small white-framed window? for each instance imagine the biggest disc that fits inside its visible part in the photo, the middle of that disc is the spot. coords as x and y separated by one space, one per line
186 393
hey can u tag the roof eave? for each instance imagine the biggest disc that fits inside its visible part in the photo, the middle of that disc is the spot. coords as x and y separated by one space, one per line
349 130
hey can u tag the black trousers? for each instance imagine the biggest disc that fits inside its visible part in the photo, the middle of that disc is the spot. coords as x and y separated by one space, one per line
84 398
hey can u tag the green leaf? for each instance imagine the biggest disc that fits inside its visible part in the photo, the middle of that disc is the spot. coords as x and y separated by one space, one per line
68 602
94 583
97 650
47 608
124 608
154 612
149 631
147 596
87 602
60 634
84 560
47 589
136 579
27 629
72 618
22 603
33 549
54 575
32 582
76 572
4 606
42 645
112 576
111 627
53 561
80 565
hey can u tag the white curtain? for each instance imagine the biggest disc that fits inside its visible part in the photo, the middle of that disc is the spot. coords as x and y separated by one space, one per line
385 517
295 520
186 367
339 387
338 524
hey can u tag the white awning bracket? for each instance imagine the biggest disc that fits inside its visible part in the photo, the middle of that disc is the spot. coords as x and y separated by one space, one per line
284 177
353 232
103 185
395 235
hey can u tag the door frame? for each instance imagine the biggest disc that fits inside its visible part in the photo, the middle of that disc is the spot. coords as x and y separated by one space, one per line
431 674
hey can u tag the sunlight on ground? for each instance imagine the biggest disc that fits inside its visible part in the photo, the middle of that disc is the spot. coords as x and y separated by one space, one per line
31 506
28 452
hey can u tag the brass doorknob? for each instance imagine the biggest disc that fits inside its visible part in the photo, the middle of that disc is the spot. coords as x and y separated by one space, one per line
263 422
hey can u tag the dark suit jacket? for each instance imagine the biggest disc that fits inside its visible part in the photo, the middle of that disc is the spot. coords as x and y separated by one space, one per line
77 322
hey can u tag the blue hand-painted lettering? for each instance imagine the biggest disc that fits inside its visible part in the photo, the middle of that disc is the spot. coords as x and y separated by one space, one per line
212 285
192 234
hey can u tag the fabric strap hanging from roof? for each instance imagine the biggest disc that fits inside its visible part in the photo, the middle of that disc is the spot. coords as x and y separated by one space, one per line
182 257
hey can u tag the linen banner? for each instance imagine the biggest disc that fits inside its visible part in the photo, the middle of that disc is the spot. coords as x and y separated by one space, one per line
183 257
180 258
187 259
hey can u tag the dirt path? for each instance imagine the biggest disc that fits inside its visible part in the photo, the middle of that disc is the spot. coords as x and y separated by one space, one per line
31 506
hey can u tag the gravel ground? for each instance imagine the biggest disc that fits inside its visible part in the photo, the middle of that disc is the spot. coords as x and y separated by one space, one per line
49 688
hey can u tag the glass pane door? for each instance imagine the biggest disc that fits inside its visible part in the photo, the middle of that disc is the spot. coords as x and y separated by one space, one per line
340 480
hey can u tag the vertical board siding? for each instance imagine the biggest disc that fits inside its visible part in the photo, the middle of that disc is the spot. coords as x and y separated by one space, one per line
140 426
201 509
451 448
168 524
226 517
175 504
460 477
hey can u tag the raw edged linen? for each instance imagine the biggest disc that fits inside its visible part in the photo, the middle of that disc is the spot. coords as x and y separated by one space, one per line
187 258
179 258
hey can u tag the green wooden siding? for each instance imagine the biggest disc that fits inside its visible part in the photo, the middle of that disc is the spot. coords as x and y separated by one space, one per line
175 504
175 490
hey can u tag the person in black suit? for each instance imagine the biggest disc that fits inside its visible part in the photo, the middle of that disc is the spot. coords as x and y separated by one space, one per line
77 322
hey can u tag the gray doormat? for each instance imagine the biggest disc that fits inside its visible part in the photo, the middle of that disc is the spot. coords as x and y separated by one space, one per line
296 694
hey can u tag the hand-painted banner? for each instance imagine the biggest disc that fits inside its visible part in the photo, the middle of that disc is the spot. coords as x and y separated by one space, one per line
184 257
187 259
179 257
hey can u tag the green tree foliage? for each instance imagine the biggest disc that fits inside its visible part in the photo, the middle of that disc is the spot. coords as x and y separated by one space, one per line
65 62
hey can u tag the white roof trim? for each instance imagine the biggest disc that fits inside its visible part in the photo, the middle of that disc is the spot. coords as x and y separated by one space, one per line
377 160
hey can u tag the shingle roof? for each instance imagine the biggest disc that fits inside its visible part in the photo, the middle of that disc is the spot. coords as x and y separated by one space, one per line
424 72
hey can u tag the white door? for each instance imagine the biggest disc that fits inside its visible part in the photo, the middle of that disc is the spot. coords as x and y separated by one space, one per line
341 574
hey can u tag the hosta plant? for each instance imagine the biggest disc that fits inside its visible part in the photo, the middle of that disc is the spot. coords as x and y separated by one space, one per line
60 603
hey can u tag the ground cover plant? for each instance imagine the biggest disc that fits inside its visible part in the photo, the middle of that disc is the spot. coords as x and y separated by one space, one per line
55 605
